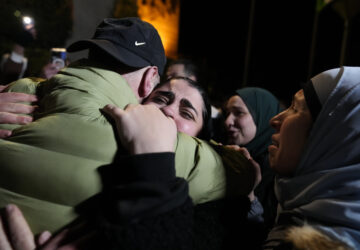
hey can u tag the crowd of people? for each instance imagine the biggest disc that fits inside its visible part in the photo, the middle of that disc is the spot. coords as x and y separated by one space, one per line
121 151
14 65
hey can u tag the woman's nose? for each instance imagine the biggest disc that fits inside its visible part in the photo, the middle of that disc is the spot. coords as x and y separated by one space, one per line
275 122
229 121
169 111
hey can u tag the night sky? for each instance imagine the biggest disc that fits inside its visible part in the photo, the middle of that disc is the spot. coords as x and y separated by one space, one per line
215 35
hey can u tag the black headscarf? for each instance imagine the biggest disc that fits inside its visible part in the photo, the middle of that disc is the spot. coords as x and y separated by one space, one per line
262 106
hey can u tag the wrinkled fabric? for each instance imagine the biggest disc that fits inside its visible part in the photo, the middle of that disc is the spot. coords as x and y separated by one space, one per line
49 166
326 185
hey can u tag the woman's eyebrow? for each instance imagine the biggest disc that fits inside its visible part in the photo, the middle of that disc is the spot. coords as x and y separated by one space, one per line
170 95
241 108
185 102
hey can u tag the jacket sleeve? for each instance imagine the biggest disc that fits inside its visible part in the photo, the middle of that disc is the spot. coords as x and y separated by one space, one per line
145 206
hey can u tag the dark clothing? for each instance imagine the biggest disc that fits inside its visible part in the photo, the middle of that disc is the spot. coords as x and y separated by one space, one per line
148 207
265 191
10 70
262 105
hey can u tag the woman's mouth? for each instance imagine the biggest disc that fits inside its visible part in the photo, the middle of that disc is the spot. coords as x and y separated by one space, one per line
232 134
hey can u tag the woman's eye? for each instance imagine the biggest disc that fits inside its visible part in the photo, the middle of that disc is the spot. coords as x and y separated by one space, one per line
160 100
187 115
238 113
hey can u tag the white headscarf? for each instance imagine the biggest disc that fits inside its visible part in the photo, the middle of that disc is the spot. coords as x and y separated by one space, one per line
326 185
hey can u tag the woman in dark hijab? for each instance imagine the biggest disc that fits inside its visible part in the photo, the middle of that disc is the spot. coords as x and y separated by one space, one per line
247 117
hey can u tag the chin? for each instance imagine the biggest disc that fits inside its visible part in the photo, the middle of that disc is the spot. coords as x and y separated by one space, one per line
230 141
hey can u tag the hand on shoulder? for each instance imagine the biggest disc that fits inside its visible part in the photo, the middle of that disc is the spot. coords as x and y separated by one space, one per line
144 128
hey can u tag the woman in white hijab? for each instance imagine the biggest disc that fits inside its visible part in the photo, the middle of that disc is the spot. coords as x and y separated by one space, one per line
316 153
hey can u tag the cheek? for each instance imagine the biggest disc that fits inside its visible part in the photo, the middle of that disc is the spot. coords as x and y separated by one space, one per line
292 142
187 127
247 125
239 123
284 159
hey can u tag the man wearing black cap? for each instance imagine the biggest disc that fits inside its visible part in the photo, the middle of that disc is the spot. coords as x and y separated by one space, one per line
128 46
62 151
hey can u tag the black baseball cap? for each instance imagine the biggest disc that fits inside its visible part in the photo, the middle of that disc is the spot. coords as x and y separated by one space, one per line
129 40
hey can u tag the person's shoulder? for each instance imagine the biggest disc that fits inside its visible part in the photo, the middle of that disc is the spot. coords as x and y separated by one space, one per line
25 85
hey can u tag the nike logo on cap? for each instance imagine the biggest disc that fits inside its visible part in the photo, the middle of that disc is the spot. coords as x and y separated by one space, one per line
139 44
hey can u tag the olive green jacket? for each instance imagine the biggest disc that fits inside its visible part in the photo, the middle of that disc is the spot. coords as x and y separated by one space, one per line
50 165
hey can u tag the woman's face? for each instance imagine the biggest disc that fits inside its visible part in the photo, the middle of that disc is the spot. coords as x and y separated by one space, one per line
239 123
180 101
292 129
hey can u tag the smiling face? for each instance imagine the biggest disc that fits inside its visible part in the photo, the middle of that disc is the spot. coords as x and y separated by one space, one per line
292 129
239 123
182 102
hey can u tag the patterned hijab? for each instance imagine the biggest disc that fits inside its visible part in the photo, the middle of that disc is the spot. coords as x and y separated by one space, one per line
326 185
262 106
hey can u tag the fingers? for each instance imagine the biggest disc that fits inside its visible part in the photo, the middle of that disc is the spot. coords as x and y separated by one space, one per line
242 150
245 152
85 241
12 97
143 128
9 118
9 110
3 134
256 166
20 233
17 108
55 242
113 111
43 238
75 237
130 106
4 242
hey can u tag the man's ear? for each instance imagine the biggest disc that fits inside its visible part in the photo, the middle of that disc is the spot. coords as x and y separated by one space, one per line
149 80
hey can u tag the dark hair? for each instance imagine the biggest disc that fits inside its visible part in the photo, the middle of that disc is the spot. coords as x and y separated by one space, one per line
190 68
205 132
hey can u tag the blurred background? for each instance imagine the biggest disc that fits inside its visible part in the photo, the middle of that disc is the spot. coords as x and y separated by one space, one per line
276 45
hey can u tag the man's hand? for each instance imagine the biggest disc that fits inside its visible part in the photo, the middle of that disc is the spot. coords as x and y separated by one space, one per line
144 128
15 233
10 108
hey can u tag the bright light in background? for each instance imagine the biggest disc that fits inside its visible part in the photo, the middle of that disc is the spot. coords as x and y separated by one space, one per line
27 20
165 19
